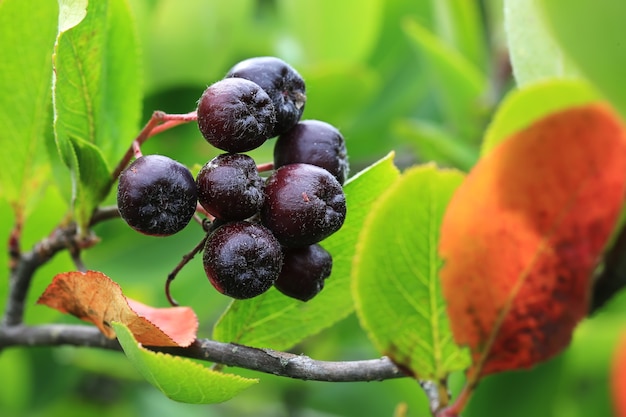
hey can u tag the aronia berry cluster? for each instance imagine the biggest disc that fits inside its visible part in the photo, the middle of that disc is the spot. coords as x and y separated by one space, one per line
266 230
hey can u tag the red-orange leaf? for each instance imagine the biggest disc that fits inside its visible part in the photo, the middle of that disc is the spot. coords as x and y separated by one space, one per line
523 233
94 297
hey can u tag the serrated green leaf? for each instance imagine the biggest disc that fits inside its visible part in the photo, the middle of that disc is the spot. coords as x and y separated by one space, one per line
592 36
97 95
458 83
520 108
276 321
396 275
178 378
27 37
534 53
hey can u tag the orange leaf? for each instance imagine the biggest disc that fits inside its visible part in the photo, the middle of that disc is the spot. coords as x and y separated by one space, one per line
94 297
179 323
523 234
618 377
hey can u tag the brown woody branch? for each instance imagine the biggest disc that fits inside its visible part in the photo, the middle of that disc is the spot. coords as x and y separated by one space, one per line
25 264
262 360
14 333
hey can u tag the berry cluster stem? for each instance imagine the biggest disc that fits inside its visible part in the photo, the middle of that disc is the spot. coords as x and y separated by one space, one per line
266 167
172 275
159 122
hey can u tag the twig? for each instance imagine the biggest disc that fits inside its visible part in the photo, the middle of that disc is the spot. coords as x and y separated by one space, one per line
104 213
268 166
159 122
186 258
14 245
28 262
14 333
262 360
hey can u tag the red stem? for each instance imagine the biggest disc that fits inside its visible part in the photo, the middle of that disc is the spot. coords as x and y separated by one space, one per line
15 251
460 403
268 166
159 122
136 149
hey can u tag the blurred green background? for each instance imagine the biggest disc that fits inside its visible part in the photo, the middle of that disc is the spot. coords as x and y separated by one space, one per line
419 77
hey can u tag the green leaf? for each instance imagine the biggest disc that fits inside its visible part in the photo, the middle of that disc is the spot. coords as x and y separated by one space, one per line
97 95
71 13
433 143
121 84
276 321
459 24
178 378
592 36
94 173
396 275
27 37
535 55
458 83
522 107
303 20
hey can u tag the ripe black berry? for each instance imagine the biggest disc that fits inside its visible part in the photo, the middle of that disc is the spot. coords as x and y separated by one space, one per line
313 142
229 187
303 204
236 115
304 271
281 82
242 259
156 195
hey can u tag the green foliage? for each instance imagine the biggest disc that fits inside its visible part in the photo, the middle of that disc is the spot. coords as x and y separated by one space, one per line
305 43
178 378
458 23
586 32
275 321
437 144
27 37
191 45
96 93
419 78
15 367
535 54
396 275
458 82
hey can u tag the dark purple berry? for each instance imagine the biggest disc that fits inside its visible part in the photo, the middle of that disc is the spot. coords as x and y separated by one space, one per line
281 82
304 271
303 205
313 142
230 188
236 115
156 195
242 259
